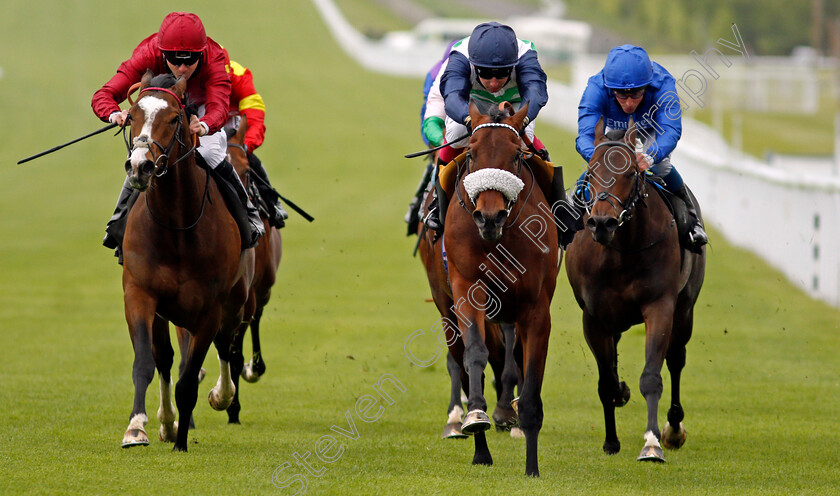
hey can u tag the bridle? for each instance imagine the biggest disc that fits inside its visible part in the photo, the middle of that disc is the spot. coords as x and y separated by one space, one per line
161 170
518 160
636 193
161 162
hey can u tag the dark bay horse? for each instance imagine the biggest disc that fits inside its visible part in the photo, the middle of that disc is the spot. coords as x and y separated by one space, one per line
498 271
183 262
501 341
627 269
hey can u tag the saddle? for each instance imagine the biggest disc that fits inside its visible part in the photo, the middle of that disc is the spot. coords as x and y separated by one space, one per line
677 208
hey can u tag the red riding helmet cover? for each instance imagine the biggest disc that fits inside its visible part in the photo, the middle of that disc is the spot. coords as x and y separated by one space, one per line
182 31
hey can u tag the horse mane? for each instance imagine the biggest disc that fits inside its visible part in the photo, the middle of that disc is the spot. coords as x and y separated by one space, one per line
163 81
496 114
616 134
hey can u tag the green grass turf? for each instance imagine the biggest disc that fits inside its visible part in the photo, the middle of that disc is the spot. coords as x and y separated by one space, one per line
760 389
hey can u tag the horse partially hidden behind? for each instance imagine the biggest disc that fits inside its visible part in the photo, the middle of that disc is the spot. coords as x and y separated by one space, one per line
183 262
628 269
498 271
501 341
267 259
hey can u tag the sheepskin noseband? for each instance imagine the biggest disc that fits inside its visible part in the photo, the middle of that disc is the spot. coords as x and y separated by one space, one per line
496 179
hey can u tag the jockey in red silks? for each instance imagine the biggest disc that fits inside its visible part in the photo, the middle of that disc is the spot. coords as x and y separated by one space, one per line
245 101
180 47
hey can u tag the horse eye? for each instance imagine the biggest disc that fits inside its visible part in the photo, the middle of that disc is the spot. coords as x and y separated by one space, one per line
173 121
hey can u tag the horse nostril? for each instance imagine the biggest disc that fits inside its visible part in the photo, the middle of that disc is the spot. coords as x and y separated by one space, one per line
591 224
611 224
128 166
147 167
479 219
501 217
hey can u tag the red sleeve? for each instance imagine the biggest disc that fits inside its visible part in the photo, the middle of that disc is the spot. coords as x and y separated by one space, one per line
216 84
246 101
108 98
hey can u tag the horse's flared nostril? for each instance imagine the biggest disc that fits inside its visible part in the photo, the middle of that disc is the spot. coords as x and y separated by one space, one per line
501 217
479 219
611 224
147 167
128 166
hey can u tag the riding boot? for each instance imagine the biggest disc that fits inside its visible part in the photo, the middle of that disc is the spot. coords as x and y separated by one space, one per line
564 218
115 228
697 235
437 210
412 217
226 171
278 217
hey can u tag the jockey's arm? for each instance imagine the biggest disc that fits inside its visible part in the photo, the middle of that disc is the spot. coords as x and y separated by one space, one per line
455 85
667 122
590 110
531 80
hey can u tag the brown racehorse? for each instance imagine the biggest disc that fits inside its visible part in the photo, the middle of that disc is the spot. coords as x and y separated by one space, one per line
501 341
183 261
268 253
498 271
628 269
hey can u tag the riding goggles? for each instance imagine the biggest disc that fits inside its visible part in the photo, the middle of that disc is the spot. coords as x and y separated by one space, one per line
629 93
493 72
178 58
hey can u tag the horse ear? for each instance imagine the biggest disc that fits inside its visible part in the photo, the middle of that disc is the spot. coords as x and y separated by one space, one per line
474 113
519 117
180 87
146 80
599 130
632 133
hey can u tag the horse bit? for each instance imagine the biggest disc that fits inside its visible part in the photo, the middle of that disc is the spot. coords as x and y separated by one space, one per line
636 194
143 141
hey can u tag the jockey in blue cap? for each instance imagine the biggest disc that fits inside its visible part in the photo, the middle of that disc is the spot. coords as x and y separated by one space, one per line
490 66
630 85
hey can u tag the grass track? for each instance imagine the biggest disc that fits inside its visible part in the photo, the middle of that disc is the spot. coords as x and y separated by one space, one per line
760 388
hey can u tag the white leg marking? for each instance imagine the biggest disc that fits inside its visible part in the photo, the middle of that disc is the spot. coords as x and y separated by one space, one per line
650 439
166 412
455 415
138 422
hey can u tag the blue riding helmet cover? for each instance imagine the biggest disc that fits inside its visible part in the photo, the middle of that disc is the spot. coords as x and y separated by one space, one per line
627 66
493 45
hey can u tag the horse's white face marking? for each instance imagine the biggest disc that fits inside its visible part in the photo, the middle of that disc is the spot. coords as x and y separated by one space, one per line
150 105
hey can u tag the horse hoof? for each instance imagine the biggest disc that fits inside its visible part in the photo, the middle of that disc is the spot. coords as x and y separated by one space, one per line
612 448
505 419
217 402
135 437
672 439
168 432
514 403
652 454
517 433
453 431
475 421
249 374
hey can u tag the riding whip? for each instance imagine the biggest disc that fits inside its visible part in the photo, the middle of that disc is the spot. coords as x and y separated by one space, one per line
59 147
430 150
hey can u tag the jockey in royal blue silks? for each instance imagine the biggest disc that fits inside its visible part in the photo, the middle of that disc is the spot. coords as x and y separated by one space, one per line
630 85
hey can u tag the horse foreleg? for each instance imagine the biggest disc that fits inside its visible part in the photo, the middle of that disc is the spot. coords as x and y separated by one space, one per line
603 348
504 415
535 329
139 313
253 370
658 326
162 348
236 368
186 390
475 361
674 434
184 347
455 411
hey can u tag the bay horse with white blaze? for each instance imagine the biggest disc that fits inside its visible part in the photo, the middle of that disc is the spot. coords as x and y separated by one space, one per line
183 262
627 269
498 271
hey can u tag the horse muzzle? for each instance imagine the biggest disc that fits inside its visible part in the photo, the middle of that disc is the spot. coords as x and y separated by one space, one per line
139 174
602 228
490 224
